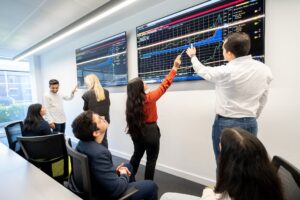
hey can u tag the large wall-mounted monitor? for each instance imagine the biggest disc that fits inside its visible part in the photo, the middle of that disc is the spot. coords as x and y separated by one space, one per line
204 26
106 58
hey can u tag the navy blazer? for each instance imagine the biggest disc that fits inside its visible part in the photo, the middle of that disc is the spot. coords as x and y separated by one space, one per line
106 183
42 128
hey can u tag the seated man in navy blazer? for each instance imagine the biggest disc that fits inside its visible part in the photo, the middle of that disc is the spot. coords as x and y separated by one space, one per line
108 182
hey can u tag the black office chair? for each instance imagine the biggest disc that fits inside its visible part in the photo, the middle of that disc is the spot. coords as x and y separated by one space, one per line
12 131
45 152
290 178
80 180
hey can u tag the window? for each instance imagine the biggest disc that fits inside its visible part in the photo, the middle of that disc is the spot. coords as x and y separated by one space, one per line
15 94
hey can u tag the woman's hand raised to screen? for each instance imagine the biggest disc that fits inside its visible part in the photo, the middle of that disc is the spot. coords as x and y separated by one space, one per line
177 62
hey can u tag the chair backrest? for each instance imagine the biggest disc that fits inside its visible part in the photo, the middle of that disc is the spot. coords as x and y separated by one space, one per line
12 131
290 178
44 151
80 180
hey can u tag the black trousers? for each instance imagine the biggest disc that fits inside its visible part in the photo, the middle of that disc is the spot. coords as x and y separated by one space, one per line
59 128
149 142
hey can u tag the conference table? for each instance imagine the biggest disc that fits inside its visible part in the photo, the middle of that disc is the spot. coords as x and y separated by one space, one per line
19 179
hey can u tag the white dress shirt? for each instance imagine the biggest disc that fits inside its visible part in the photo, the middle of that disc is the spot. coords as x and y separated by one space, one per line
54 106
241 86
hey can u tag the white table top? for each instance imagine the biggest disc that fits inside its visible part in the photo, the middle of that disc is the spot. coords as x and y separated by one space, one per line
19 179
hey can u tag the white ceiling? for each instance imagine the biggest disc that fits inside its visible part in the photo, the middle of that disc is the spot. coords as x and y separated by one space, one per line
24 23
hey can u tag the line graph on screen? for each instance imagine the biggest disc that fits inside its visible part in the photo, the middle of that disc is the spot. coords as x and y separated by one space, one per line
204 26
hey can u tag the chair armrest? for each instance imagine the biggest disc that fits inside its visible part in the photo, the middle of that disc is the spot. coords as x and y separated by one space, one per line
128 193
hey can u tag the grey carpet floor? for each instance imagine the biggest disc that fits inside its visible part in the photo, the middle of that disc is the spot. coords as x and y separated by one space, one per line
167 182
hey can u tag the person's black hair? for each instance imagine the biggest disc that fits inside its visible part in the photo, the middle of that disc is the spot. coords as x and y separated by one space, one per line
238 43
53 82
245 171
83 126
134 107
33 117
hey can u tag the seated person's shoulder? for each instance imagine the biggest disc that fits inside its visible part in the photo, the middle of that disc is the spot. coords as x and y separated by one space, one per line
92 149
44 122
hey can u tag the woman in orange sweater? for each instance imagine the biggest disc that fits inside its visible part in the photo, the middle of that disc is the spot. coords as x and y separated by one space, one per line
141 117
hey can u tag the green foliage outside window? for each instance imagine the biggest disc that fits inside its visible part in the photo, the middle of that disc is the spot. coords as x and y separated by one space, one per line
13 112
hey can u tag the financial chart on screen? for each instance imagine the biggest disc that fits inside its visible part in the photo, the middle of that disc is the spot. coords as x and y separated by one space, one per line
107 59
203 26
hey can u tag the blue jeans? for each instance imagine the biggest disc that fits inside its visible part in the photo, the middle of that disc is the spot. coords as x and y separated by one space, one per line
247 123
147 189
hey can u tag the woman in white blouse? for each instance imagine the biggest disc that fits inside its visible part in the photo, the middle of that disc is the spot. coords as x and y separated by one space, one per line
245 171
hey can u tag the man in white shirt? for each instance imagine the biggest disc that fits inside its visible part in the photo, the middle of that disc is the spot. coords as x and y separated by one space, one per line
54 106
241 86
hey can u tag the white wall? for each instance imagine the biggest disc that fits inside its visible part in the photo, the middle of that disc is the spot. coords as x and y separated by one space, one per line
185 117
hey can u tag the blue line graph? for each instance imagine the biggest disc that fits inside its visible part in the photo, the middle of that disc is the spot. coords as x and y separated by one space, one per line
107 59
96 66
217 37
159 43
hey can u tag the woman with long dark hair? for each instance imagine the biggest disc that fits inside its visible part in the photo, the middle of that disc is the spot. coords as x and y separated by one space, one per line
97 100
141 117
34 123
245 171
